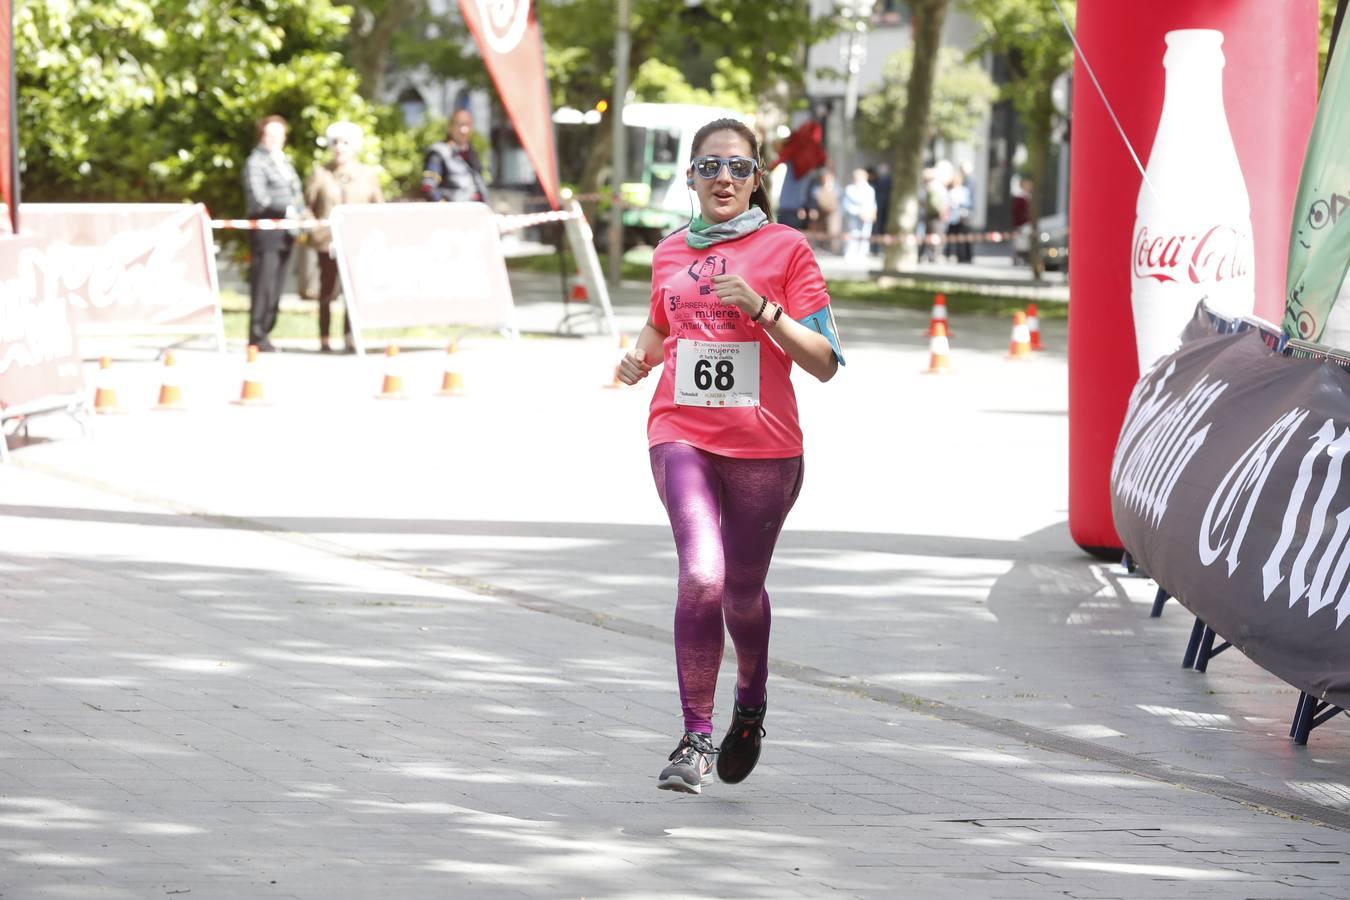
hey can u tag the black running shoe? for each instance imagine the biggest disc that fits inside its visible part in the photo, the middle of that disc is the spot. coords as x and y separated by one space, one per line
740 748
690 765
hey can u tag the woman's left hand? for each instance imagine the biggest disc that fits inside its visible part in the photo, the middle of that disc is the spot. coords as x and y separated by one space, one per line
731 290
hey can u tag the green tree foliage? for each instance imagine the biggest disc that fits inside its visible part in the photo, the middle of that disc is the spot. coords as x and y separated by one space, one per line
962 94
156 100
659 82
764 39
734 51
1029 35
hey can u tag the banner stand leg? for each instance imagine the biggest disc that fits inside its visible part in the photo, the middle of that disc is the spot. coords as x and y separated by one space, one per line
1308 714
580 237
1158 600
1193 646
1207 649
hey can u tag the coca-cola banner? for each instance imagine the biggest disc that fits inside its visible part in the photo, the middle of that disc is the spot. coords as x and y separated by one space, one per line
130 268
1228 488
509 41
39 357
406 264
1216 97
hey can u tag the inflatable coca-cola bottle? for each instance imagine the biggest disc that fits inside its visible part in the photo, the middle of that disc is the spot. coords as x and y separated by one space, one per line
1193 223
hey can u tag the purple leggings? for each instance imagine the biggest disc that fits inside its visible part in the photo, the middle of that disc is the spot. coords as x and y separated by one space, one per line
726 514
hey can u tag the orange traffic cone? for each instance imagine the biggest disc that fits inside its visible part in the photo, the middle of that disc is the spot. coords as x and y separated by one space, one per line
392 388
623 345
938 349
452 382
578 293
252 392
1034 327
939 314
170 391
105 396
1020 345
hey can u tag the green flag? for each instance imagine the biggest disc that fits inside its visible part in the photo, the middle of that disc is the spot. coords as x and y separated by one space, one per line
1319 245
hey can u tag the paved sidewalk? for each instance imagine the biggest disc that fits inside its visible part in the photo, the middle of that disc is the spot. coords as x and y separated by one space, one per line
196 708
339 647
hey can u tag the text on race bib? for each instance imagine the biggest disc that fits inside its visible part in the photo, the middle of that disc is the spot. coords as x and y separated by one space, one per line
716 373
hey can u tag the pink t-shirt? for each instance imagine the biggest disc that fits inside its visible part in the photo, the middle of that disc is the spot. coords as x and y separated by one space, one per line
777 262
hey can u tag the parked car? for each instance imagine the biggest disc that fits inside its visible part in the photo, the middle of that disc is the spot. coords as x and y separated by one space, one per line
1054 243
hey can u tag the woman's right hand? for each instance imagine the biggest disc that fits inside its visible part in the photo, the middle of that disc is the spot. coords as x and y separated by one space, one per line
633 367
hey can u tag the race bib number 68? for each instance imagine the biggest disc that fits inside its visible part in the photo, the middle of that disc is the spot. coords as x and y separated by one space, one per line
717 373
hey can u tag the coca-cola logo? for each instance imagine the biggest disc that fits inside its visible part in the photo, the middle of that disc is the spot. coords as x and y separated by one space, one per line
1221 253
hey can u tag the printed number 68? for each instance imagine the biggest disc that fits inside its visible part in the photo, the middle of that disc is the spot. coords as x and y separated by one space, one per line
724 378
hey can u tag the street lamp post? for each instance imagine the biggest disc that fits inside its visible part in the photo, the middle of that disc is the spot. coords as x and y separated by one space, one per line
856 15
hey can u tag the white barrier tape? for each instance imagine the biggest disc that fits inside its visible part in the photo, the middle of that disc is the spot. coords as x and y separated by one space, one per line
266 224
528 220
504 223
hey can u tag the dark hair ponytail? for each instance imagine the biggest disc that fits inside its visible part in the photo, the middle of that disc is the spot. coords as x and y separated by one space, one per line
760 196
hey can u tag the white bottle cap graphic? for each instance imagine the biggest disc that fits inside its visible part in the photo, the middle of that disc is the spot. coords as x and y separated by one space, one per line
1192 229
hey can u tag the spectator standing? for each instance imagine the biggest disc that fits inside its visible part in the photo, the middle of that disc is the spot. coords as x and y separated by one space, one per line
828 220
1021 203
451 170
882 185
804 153
340 181
860 211
959 205
934 206
1020 215
271 191
793 200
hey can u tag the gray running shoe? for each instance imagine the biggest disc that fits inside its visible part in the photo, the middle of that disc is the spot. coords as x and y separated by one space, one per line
690 765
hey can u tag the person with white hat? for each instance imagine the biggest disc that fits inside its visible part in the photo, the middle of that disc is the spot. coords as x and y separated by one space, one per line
339 181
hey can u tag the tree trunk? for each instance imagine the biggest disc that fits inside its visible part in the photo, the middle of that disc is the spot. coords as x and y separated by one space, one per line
907 158
370 44
598 162
1040 122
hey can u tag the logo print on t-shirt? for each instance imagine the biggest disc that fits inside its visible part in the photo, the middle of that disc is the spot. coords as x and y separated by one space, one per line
713 265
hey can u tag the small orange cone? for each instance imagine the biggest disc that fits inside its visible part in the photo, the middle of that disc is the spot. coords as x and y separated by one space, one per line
170 391
938 349
252 392
392 388
452 382
938 315
105 396
578 293
623 345
1034 326
1020 345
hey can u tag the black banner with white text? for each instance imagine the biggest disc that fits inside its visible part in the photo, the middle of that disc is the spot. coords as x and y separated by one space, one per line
1229 487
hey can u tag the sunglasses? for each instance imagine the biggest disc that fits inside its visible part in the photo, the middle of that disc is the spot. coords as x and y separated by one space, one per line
740 167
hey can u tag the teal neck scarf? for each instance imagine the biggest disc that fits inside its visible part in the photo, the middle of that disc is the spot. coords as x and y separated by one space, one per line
702 234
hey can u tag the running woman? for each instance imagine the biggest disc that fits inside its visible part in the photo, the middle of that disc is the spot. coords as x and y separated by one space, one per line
735 302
